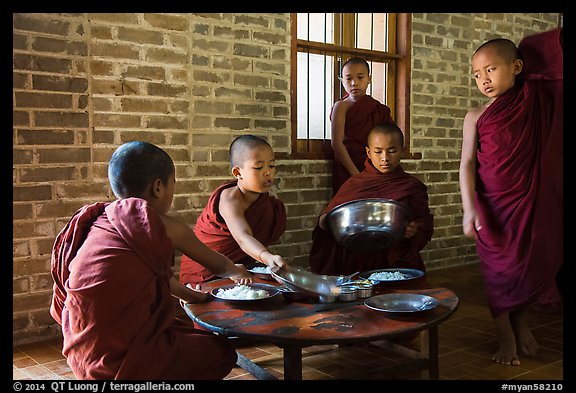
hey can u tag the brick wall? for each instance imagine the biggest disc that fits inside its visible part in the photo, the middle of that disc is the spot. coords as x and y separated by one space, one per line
190 83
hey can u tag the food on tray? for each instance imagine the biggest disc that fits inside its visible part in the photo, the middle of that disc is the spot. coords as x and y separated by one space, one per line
387 276
241 292
261 269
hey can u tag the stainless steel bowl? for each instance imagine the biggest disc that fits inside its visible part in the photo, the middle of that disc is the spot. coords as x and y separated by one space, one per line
348 294
369 224
328 298
365 290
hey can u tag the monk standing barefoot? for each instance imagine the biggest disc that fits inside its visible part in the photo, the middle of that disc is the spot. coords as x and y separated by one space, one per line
511 181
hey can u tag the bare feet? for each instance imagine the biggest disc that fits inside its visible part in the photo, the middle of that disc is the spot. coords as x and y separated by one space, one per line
514 335
527 343
506 353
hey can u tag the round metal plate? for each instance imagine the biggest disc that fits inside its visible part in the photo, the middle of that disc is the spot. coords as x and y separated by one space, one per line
409 274
401 302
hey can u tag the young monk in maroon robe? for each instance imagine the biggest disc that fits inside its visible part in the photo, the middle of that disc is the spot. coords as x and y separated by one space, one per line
241 218
352 118
115 294
511 181
383 177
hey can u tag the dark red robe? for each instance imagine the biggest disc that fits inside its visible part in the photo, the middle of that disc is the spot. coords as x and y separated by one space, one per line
328 257
360 119
111 267
519 181
266 217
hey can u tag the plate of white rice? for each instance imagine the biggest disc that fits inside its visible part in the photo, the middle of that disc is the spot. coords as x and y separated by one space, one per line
262 271
242 293
380 276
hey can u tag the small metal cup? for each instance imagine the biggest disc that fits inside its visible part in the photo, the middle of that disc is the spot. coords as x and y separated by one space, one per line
327 298
348 293
364 290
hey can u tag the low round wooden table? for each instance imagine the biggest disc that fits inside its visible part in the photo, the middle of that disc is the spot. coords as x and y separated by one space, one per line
295 325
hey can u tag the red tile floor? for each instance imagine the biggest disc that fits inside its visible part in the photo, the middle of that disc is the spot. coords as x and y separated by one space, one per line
466 343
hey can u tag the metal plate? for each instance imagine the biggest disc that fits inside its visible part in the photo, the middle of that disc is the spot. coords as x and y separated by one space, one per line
271 289
401 302
409 274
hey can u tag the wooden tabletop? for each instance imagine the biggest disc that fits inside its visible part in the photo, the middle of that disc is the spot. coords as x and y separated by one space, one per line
309 322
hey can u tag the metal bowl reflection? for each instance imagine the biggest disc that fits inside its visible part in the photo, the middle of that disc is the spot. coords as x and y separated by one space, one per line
368 224
299 279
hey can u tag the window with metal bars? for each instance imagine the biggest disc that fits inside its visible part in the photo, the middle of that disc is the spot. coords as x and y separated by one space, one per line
321 44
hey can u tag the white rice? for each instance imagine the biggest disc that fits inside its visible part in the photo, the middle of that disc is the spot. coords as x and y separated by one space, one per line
387 276
261 269
241 292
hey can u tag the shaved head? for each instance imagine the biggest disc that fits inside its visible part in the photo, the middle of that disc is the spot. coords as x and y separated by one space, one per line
135 165
387 129
357 60
241 145
504 48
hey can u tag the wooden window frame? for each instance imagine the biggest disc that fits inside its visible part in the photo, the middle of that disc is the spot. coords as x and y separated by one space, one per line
399 62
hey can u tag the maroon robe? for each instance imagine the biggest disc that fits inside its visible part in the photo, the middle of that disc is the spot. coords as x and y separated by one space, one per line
266 217
519 181
111 267
329 257
360 119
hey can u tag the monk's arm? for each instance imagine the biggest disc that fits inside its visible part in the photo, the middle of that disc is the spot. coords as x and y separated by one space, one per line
187 294
470 221
232 211
337 137
185 240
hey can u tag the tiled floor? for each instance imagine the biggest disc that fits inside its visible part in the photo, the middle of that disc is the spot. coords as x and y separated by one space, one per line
466 343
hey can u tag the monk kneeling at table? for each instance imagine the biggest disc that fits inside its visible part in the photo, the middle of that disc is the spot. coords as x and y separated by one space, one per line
114 289
383 177
241 218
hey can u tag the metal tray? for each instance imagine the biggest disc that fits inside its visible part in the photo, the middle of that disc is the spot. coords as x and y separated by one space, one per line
409 274
401 302
271 289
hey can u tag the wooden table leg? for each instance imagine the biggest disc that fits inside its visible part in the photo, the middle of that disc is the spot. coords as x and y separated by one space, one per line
292 363
255 370
429 349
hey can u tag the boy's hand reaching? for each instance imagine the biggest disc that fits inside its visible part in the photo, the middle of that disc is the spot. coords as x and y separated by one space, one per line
195 295
276 261
241 275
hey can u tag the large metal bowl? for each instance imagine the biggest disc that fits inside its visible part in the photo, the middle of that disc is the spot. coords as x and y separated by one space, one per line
369 224
299 279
